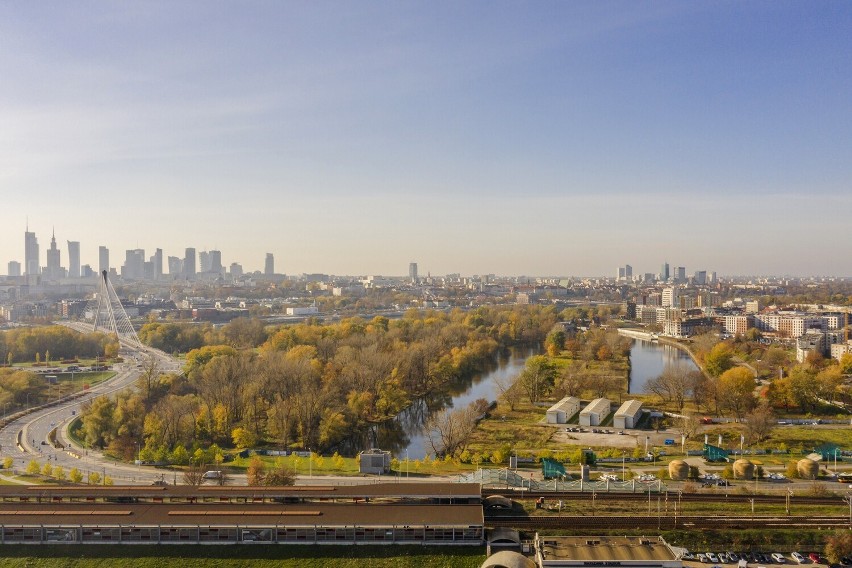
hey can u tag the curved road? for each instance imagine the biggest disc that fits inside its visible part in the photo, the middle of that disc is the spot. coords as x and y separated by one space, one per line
35 426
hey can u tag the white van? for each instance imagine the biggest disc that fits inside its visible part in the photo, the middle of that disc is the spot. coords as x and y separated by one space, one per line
213 474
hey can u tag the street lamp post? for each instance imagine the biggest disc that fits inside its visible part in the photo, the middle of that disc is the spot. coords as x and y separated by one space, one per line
310 463
623 457
406 463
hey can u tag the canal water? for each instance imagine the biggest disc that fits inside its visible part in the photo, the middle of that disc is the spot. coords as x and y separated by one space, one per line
648 359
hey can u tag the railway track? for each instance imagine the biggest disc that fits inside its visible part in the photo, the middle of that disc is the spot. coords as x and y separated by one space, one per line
664 522
671 495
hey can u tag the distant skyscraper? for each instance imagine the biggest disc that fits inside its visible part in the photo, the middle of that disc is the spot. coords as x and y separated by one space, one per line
628 271
54 265
204 261
236 270
31 262
73 259
700 277
269 266
216 261
681 274
103 259
157 259
175 266
664 272
134 264
189 263
14 268
412 272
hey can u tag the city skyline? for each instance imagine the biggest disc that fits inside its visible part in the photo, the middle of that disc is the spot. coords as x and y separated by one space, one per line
553 139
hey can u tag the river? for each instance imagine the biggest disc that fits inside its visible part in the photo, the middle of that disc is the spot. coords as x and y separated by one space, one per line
405 433
648 359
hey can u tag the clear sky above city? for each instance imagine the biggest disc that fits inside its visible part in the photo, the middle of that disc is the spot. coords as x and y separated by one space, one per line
547 138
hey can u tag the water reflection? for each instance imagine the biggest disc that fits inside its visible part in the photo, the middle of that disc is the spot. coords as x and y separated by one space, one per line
405 432
649 358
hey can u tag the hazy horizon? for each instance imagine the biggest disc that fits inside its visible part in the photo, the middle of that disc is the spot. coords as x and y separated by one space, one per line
481 137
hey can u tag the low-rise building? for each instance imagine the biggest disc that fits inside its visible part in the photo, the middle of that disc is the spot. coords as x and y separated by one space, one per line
595 412
560 412
628 414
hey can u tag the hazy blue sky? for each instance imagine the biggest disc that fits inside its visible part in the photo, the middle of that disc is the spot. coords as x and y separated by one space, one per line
476 137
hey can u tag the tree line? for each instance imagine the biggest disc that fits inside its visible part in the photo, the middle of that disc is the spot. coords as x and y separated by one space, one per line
308 385
53 343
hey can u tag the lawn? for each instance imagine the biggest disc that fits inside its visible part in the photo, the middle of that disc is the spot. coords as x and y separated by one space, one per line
259 556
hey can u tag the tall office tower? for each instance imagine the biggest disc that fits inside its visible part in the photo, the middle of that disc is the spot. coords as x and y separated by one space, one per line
236 270
134 264
269 266
73 259
157 259
713 277
54 269
14 268
204 261
620 274
628 272
412 272
664 272
86 271
189 263
103 259
175 266
31 264
700 277
216 261
681 274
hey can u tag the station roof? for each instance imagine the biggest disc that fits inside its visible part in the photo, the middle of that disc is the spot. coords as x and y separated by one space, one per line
218 514
416 490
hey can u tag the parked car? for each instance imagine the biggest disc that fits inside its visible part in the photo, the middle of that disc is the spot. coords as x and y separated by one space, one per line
711 557
814 556
702 558
798 557
779 558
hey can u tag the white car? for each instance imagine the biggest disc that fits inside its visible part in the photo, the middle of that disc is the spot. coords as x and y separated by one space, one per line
779 558
712 558
798 557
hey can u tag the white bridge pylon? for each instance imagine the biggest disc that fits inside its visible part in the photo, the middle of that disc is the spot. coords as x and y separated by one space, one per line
110 315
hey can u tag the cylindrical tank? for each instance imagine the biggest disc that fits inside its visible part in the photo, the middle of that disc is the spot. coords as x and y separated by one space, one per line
678 470
807 468
743 469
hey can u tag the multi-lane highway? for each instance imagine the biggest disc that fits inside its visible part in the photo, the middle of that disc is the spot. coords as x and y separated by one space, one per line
27 438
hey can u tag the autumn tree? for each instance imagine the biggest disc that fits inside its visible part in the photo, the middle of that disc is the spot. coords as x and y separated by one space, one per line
759 423
719 360
736 388
449 430
555 342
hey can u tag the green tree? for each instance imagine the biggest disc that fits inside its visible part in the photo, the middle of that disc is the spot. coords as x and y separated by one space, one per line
537 377
555 342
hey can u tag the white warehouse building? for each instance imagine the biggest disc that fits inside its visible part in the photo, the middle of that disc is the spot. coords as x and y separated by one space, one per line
627 415
560 412
595 413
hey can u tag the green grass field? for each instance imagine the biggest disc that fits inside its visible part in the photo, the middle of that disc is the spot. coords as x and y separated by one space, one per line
255 556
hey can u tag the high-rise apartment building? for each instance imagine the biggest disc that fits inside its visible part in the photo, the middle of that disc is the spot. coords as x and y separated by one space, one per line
31 263
103 260
189 263
73 259
269 265
412 272
204 261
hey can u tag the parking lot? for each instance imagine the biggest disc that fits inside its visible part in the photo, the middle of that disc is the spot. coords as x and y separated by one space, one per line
756 559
